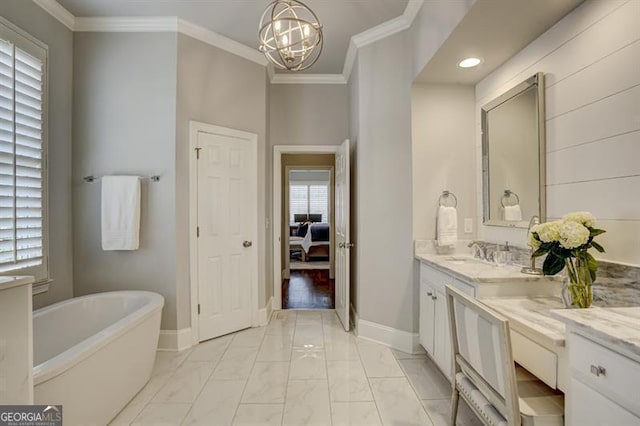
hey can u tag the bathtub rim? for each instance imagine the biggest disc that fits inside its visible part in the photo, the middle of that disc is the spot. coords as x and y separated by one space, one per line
65 360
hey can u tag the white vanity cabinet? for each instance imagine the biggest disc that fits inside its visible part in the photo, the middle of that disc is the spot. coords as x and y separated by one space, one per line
435 335
603 388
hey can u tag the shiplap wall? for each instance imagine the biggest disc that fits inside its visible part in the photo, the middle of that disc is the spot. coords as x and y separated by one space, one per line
591 61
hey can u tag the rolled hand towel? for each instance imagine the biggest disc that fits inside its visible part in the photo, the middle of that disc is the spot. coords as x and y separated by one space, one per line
120 212
447 226
513 213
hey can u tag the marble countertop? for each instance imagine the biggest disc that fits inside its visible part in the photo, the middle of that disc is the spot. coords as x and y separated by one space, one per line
477 270
618 326
531 316
14 281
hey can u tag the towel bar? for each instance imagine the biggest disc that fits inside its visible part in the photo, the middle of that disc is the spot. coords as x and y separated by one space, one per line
507 194
446 194
91 178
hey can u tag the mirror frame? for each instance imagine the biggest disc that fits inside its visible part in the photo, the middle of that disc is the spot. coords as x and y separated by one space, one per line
536 80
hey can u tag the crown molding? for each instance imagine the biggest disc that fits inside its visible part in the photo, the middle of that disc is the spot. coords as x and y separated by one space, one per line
350 60
380 32
270 72
55 9
157 24
174 24
308 79
222 42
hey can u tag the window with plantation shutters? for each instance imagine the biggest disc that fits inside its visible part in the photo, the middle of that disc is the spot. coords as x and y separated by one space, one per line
309 198
22 172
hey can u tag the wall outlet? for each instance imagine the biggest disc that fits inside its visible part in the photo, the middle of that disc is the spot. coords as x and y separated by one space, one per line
468 225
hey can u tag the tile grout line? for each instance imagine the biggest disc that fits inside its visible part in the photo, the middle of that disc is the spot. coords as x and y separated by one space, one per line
286 387
253 366
415 391
215 365
326 368
375 401
157 391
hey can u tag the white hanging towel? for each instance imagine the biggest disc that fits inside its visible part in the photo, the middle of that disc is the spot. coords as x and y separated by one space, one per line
307 242
513 213
447 226
120 212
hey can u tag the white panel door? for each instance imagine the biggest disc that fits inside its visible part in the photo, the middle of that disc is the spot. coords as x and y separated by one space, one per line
343 245
227 202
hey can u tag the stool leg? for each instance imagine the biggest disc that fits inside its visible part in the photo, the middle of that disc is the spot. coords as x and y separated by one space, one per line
455 398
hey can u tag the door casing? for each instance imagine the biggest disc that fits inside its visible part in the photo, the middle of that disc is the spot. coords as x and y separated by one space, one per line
278 150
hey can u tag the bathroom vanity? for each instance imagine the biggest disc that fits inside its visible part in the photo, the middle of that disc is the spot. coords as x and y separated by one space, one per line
16 341
592 355
482 280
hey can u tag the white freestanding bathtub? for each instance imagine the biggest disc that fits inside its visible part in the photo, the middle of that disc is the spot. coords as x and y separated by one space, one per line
93 353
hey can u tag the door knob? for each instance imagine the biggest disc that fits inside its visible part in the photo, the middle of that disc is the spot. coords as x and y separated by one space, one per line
349 245
247 244
340 245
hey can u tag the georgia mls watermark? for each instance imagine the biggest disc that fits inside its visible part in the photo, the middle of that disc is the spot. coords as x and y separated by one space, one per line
30 415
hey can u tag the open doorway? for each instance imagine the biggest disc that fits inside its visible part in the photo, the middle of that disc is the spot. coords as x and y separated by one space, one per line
308 281
339 218
307 231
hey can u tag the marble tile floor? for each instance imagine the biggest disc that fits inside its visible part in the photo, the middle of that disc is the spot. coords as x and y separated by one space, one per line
301 369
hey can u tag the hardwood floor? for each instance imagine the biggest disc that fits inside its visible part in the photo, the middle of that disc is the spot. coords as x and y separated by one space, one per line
311 289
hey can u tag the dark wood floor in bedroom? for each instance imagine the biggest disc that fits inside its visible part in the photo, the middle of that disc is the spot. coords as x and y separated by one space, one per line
308 289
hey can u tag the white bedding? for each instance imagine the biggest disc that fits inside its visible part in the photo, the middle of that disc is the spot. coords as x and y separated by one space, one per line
306 242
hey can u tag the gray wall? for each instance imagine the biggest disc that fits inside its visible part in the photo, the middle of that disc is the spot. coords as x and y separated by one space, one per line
309 114
443 133
386 293
124 123
386 276
219 88
35 21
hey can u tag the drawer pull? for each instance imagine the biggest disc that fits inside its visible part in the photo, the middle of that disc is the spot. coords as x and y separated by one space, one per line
434 297
598 370
429 293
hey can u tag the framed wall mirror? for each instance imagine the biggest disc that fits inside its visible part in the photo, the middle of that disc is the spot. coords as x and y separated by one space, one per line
514 155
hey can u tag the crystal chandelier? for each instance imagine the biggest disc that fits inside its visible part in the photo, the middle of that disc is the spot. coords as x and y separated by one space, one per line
290 35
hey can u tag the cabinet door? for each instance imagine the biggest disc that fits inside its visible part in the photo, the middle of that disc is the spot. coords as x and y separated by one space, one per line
586 407
442 335
427 317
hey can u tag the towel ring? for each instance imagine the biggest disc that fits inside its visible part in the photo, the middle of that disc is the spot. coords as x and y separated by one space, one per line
445 195
507 195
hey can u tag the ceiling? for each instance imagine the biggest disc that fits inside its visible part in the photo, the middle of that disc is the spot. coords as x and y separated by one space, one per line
238 19
493 30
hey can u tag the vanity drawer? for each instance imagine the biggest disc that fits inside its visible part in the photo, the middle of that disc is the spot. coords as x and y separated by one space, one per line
540 361
432 276
606 371
464 287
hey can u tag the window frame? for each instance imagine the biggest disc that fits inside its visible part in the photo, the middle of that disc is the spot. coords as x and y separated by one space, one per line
309 184
29 44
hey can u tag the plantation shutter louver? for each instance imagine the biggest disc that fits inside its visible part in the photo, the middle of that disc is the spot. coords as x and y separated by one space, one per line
298 201
22 243
319 201
309 198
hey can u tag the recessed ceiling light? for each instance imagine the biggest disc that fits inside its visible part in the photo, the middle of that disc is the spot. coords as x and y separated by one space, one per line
469 62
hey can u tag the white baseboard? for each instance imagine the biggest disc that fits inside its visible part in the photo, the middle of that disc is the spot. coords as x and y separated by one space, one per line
392 337
174 340
265 313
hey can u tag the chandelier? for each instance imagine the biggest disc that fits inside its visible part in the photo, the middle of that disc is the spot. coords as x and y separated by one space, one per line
290 35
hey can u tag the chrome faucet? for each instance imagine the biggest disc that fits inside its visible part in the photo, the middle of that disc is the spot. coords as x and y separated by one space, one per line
532 270
479 249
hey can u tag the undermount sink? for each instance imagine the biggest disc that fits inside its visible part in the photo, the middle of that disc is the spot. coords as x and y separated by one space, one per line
461 260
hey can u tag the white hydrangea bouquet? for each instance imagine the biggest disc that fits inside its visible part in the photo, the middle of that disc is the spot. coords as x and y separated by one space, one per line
566 243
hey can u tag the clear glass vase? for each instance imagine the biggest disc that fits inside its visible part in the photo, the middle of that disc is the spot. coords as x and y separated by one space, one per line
577 289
